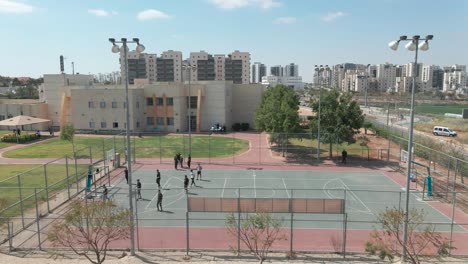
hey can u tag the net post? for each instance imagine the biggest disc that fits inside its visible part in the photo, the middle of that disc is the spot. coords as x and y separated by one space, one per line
104 157
238 221
160 149
448 178
90 155
76 173
10 236
68 176
20 199
187 225
46 187
455 175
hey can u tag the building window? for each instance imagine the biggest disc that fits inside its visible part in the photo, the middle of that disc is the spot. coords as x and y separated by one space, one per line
149 101
92 125
138 124
160 121
193 102
125 104
169 101
170 121
114 104
160 101
150 121
115 125
137 104
102 104
2 117
103 125
90 104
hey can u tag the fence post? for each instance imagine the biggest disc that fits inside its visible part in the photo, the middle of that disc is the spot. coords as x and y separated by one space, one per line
134 147
113 143
138 229
238 221
37 220
46 187
448 177
68 176
455 175
160 148
291 230
104 152
20 199
76 173
10 236
233 158
345 230
187 224
454 201
90 155
260 149
209 149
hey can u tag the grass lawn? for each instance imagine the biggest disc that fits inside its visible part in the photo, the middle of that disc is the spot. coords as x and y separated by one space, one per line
33 177
146 147
440 109
3 144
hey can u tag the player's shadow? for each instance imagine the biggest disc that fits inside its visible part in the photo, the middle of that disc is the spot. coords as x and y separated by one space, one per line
191 193
205 180
167 212
143 199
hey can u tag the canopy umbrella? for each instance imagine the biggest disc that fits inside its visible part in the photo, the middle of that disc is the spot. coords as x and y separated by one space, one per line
22 120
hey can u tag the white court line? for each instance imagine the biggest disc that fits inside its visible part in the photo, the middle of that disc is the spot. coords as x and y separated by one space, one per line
157 194
359 199
224 187
286 188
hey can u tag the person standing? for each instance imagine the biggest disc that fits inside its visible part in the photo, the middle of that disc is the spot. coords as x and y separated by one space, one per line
158 178
186 181
139 190
192 177
159 203
189 160
344 156
181 161
199 169
176 160
126 174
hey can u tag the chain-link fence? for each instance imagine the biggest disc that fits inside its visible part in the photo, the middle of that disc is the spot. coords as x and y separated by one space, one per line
181 229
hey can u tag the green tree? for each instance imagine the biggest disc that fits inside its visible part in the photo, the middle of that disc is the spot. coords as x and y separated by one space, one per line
89 228
257 231
68 133
423 239
277 112
340 118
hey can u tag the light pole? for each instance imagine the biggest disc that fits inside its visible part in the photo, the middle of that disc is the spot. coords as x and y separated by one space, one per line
319 69
413 45
367 85
193 68
116 49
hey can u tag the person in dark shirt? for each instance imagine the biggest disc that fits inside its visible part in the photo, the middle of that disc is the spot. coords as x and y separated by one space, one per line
186 182
139 190
159 203
158 178
344 156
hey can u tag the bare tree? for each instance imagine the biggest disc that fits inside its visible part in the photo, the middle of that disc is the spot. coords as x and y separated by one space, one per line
423 239
89 228
258 232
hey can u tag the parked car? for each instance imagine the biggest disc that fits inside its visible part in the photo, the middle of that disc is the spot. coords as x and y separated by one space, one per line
443 131
217 128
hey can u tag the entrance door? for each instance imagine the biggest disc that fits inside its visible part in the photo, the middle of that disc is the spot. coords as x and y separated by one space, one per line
193 120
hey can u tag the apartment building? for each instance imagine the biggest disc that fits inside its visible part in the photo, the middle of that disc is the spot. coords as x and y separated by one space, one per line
237 67
259 70
455 79
169 67
291 70
140 66
276 70
386 77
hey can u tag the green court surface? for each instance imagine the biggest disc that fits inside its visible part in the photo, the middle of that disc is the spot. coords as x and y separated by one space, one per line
366 194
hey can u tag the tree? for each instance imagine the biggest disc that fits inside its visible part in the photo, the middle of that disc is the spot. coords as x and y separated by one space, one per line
277 112
422 237
89 228
340 117
68 133
258 232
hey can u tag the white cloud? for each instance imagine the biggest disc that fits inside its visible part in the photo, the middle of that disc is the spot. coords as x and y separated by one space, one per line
9 6
285 20
234 4
150 14
98 12
332 16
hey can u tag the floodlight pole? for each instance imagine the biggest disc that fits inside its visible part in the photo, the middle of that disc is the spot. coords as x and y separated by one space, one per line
128 151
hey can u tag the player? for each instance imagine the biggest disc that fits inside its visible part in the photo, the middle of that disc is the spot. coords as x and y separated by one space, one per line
192 177
159 203
199 169
104 193
126 174
139 190
186 181
158 178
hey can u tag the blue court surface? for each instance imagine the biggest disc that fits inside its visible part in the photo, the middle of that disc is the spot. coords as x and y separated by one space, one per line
366 194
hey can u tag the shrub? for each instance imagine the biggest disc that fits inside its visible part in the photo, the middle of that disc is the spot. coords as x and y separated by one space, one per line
245 126
236 127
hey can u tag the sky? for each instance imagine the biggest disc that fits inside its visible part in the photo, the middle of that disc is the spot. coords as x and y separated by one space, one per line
35 33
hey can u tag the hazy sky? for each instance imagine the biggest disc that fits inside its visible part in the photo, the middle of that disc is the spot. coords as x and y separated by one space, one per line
34 33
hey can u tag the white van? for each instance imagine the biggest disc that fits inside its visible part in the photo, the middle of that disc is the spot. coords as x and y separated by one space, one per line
443 131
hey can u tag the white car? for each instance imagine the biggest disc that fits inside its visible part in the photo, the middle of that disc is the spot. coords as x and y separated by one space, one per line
443 131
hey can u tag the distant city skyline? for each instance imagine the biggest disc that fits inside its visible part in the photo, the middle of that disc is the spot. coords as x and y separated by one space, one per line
274 32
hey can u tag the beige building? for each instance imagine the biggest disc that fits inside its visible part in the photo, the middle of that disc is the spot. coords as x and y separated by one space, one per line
162 106
14 107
